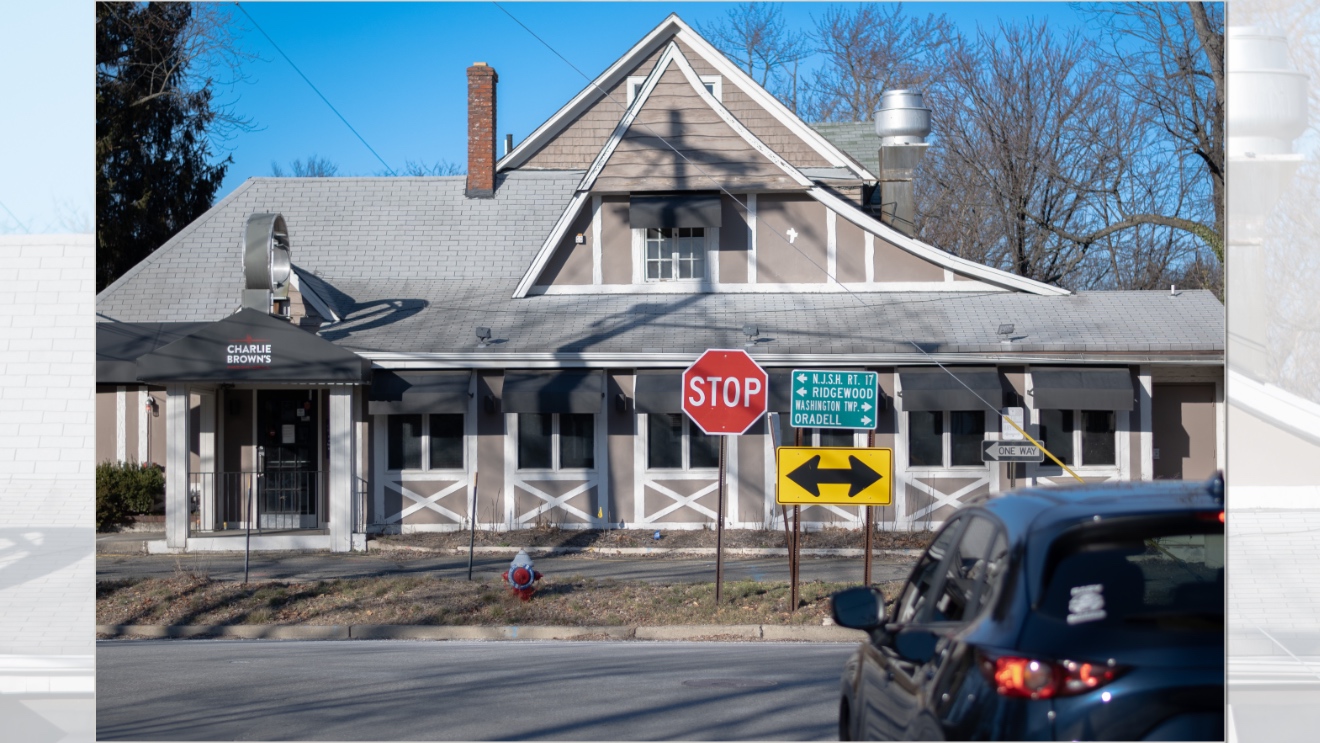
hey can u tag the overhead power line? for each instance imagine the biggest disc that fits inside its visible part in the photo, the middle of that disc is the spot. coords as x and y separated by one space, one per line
315 89
782 237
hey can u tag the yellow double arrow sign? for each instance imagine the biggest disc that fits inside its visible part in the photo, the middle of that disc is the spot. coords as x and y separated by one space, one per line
837 476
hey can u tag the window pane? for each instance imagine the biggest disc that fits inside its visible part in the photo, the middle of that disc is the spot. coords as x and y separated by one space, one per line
1056 433
447 442
1097 437
836 437
704 450
916 595
664 441
925 438
405 442
577 441
656 258
534 441
691 252
966 432
965 573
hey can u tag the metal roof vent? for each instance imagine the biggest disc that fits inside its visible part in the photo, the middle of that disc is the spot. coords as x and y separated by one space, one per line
902 118
267 262
903 122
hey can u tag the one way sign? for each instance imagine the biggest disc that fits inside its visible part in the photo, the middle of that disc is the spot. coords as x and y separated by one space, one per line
1011 451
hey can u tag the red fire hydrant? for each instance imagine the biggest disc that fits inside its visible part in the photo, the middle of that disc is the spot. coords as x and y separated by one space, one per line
521 576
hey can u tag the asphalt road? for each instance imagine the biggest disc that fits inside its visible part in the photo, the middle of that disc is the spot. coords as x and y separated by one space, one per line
268 566
382 690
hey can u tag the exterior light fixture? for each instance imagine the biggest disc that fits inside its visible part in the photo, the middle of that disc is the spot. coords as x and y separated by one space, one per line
751 331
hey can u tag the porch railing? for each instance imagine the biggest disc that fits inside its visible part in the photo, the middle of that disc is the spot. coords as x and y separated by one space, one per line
221 501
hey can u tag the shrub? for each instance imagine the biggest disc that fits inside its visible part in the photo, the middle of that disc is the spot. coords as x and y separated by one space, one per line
125 489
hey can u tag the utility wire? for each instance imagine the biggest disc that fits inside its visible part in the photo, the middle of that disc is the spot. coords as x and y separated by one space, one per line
314 88
781 236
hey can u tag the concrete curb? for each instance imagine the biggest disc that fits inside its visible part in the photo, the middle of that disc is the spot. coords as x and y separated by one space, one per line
672 633
376 546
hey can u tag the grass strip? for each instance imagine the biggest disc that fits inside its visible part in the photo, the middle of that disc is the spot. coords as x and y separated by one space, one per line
424 600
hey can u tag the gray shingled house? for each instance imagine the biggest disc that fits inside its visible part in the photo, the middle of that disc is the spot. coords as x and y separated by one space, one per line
325 358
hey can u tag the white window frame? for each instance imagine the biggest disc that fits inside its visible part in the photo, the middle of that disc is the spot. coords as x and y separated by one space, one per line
555 463
686 454
714 85
1077 443
709 257
426 445
859 437
946 445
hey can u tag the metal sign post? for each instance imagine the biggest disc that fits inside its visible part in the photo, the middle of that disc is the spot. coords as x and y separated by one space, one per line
866 571
472 521
724 392
793 543
719 530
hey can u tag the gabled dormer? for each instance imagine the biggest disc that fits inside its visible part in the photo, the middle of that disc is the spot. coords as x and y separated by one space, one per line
704 183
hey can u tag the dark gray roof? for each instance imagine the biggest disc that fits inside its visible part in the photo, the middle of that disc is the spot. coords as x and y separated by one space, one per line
412 266
857 138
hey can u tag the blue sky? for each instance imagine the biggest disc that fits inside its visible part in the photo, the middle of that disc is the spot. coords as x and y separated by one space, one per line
394 70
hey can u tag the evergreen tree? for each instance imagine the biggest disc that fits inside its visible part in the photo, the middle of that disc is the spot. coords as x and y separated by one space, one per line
154 169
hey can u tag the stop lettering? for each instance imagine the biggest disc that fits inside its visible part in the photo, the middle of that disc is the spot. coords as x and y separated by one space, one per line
725 391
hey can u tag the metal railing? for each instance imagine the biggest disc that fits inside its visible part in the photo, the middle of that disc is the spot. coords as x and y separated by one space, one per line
223 501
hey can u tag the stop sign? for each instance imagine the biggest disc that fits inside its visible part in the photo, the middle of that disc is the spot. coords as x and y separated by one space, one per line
725 391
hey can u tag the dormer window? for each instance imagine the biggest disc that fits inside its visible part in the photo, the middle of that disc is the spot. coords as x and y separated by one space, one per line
675 253
672 234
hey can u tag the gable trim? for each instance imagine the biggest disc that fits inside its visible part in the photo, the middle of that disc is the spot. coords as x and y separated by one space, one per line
551 241
673 55
595 91
675 26
930 253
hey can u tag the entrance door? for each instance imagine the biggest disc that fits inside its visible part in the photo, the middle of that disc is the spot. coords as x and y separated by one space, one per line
1183 431
291 486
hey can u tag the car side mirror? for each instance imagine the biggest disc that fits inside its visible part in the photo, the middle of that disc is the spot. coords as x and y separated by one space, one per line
858 608
915 645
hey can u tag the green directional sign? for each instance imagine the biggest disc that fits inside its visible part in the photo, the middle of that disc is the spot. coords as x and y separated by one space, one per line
833 399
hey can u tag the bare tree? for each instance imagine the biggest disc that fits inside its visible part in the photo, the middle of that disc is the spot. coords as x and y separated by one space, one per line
1018 120
313 167
440 167
868 49
1169 57
756 37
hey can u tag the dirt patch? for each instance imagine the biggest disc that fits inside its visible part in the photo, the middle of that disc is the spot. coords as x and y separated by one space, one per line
422 600
549 536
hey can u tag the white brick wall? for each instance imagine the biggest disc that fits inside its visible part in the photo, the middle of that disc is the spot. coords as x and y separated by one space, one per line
47 357
47 386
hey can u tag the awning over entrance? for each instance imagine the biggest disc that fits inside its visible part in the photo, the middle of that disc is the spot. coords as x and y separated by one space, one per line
120 344
1070 388
251 346
553 392
404 391
927 388
659 392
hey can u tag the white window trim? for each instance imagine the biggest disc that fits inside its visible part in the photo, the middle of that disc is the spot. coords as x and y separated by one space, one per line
1047 468
946 449
716 83
554 447
644 431
426 447
710 261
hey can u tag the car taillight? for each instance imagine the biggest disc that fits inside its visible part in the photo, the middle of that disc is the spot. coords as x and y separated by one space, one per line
1033 678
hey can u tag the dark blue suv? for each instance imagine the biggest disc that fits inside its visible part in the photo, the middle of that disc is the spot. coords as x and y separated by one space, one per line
1084 613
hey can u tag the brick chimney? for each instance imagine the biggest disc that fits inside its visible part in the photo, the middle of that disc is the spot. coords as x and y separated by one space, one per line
481 131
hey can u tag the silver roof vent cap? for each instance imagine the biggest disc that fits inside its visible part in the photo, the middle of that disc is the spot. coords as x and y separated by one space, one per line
902 118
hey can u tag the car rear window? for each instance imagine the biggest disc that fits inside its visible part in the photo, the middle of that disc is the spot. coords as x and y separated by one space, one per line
1153 577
